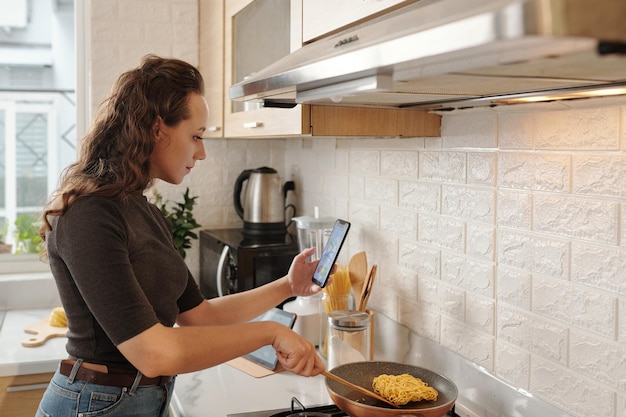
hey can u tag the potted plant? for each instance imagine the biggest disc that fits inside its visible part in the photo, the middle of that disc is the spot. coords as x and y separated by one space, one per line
27 238
180 216
5 247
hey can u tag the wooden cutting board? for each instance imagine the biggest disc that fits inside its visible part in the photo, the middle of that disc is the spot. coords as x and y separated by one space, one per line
42 331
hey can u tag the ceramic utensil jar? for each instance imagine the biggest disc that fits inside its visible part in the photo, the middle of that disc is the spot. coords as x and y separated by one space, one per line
348 337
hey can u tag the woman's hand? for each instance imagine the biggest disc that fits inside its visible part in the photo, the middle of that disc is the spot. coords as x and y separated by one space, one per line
301 273
297 355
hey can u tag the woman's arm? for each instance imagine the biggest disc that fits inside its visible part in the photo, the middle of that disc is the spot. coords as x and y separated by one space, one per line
162 350
244 306
217 330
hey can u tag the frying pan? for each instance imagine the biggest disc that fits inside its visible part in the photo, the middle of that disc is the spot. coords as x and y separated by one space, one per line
363 373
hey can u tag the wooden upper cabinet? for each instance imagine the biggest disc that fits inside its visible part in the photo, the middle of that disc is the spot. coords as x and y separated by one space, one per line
212 63
240 37
321 17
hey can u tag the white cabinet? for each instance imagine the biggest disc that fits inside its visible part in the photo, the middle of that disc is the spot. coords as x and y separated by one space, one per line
211 15
320 17
256 34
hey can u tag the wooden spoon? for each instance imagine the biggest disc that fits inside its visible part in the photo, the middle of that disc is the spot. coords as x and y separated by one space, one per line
357 388
367 289
357 268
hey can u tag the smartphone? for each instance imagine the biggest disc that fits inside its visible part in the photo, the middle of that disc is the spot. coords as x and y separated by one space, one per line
331 252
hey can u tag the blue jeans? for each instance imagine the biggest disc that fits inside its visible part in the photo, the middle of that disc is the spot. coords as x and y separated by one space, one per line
65 397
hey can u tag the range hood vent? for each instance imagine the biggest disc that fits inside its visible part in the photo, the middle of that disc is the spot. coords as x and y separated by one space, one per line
439 54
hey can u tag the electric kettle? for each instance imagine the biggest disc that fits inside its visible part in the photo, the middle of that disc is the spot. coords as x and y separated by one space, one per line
262 203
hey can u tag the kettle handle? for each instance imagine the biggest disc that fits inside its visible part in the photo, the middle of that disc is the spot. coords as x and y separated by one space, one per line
237 192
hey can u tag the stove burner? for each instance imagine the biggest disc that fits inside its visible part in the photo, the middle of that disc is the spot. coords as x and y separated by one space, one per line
324 411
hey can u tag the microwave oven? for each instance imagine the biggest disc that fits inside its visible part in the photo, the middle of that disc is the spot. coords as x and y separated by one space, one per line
232 262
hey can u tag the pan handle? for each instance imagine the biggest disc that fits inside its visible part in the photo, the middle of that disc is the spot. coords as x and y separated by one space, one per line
357 388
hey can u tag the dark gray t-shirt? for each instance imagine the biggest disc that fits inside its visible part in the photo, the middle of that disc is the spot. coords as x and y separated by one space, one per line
118 274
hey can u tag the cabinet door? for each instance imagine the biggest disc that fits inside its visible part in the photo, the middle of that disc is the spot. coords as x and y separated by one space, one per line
211 15
256 34
320 17
20 395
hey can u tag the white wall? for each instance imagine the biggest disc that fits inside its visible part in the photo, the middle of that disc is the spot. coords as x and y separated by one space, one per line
503 240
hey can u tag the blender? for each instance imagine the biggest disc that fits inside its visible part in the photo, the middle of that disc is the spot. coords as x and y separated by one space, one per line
313 231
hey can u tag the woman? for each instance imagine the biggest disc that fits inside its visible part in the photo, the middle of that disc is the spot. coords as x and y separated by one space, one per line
123 284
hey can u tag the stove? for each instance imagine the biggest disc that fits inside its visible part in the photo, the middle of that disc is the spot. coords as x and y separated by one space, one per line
298 410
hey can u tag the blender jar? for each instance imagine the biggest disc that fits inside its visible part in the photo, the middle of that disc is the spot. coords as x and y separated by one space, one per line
314 232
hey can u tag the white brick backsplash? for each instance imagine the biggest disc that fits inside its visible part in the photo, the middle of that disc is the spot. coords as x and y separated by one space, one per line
420 196
534 171
443 166
366 215
381 190
398 221
575 217
157 32
532 333
481 241
428 293
467 341
469 203
602 267
574 305
601 360
513 287
516 130
599 175
533 253
621 406
514 209
145 10
590 129
481 168
444 232
480 312
357 188
451 300
512 364
621 329
364 162
398 164
335 184
421 258
420 319
467 273
476 129
570 391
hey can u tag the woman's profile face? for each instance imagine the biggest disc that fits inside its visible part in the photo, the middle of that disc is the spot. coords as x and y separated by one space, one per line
177 148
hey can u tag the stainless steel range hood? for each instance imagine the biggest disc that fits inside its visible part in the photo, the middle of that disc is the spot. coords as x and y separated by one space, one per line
449 53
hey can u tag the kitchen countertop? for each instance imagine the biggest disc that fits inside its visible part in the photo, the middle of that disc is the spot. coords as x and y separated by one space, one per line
16 359
223 390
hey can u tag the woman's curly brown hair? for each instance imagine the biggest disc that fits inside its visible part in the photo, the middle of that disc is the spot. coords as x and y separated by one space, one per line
114 158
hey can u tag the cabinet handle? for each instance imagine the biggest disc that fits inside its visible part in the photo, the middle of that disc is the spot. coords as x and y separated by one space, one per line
212 128
252 125
31 387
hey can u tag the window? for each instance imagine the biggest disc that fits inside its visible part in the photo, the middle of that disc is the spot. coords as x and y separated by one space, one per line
37 117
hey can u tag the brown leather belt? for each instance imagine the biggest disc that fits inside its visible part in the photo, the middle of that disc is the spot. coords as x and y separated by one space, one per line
112 378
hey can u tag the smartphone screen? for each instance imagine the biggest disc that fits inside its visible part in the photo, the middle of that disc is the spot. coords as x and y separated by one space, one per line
331 252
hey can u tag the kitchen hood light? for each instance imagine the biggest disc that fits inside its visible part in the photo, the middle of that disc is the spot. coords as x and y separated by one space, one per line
566 95
336 92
